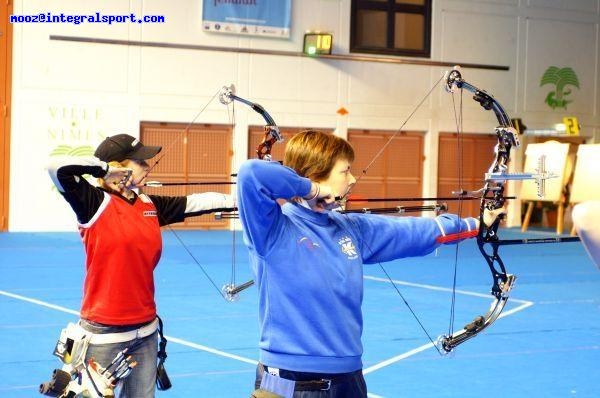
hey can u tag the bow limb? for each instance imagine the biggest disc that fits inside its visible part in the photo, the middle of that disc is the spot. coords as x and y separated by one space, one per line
272 133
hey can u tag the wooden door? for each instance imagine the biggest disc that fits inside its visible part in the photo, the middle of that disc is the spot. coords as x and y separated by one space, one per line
256 134
199 153
397 172
462 166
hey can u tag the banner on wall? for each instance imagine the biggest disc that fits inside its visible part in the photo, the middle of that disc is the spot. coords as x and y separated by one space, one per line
247 17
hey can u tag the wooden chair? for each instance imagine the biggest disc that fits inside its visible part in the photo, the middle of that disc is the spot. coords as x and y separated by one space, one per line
558 162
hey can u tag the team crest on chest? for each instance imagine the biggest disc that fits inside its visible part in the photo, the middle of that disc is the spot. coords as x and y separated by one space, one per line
348 247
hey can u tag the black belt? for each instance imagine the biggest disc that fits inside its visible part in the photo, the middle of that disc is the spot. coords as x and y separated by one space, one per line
319 384
313 385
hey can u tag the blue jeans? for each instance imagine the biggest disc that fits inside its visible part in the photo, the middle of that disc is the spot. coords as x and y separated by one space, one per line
141 381
353 386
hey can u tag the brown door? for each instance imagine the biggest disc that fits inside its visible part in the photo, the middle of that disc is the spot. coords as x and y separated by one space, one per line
474 154
396 173
199 153
5 86
256 135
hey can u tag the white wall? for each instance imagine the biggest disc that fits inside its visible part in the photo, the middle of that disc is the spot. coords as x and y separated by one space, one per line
67 93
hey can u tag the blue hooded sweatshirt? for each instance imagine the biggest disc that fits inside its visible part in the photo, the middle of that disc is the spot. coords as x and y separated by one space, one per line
308 267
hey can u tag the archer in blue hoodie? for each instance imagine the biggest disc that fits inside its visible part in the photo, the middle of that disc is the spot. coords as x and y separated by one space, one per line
308 264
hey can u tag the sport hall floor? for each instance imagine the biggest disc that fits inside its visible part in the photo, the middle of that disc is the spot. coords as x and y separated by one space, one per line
546 345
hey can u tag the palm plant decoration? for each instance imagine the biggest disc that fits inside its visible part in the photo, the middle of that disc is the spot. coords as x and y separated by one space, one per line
561 78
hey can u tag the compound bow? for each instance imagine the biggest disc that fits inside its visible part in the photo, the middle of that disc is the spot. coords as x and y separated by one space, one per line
492 202
226 94
493 199
263 151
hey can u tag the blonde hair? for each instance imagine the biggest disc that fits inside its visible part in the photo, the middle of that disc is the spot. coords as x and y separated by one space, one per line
107 184
313 154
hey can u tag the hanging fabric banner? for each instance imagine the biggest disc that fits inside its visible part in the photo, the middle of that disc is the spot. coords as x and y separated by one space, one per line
248 17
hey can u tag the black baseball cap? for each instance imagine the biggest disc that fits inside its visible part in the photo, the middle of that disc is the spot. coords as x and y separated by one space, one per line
123 146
